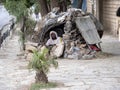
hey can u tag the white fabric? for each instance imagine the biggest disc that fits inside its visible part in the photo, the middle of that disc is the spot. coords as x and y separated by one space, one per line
58 49
53 42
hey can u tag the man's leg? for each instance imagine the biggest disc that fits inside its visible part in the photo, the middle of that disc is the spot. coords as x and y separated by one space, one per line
119 28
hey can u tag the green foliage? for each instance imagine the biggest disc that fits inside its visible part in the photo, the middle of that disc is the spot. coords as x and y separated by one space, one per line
29 3
17 8
30 25
20 9
37 8
41 61
37 86
48 1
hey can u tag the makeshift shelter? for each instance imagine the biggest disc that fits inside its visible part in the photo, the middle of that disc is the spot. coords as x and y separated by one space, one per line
73 26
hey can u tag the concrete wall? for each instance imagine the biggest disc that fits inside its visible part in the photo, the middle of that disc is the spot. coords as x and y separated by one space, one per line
107 13
89 6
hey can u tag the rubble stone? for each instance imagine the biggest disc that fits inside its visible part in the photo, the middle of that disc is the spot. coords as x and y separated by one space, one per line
30 48
29 56
89 56
73 26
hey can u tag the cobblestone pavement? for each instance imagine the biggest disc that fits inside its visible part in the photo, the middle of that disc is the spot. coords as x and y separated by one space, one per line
96 74
88 75
13 69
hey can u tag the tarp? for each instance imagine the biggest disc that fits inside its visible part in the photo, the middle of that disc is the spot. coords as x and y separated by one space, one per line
76 4
84 5
88 30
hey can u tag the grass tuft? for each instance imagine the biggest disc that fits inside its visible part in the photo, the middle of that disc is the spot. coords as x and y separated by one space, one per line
38 86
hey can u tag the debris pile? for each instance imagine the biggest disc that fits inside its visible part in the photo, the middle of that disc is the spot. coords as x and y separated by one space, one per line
80 32
29 48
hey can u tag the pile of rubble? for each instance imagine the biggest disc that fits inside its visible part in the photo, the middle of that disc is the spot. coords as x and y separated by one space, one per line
29 48
81 32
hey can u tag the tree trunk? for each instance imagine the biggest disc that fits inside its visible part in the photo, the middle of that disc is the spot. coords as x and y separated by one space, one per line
63 5
43 7
80 4
54 3
41 77
23 32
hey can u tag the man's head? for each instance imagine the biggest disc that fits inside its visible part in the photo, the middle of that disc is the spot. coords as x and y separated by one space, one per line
53 35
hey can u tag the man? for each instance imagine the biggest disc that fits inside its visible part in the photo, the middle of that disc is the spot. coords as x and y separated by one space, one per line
118 21
118 12
56 43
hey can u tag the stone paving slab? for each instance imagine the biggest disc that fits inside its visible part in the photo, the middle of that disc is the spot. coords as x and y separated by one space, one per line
13 70
96 74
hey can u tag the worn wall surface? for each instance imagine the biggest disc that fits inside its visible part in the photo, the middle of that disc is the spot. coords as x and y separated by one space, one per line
107 13
89 5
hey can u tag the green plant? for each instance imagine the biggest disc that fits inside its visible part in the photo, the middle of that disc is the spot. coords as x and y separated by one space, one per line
41 62
30 25
37 86
20 9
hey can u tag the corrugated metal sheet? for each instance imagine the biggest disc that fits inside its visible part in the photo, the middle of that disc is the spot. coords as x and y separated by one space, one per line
88 30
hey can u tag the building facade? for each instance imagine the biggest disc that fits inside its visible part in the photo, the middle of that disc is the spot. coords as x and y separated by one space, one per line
105 11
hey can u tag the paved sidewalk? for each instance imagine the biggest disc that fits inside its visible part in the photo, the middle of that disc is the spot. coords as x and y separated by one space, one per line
13 69
97 74
87 74
110 44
